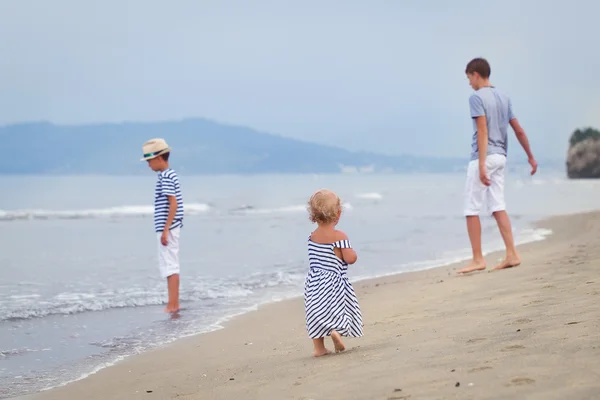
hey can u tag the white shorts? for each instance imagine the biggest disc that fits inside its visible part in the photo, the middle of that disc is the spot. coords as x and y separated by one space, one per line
476 193
168 256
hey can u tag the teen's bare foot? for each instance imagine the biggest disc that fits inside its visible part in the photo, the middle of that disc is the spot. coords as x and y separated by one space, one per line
472 267
321 353
337 342
509 262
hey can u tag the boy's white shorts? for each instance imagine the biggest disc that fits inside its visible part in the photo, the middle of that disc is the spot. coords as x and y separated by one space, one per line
168 256
476 193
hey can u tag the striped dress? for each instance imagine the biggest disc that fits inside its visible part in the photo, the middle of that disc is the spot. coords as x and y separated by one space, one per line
329 297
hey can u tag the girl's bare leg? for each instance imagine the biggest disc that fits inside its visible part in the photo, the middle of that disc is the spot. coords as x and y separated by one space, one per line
337 342
320 349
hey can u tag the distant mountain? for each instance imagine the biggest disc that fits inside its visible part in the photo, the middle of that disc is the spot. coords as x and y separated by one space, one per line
199 147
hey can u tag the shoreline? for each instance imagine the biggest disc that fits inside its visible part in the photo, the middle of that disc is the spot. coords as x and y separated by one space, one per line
364 287
537 234
223 322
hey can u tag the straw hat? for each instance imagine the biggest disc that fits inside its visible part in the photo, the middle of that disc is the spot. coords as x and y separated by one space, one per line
154 148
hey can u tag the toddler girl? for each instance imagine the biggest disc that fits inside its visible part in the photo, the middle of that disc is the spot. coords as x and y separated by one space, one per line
331 305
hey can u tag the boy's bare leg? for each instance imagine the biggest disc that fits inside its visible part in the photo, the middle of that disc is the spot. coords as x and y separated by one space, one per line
474 229
512 258
173 287
337 341
320 349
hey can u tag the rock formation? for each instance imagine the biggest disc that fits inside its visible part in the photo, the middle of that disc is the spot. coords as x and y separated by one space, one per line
583 157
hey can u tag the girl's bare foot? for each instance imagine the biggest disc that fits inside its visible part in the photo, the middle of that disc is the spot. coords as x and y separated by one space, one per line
337 342
472 267
320 349
321 353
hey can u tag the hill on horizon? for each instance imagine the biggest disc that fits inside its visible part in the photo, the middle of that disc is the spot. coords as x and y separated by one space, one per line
200 146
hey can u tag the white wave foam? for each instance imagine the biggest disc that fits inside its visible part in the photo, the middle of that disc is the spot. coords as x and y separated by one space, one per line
95 370
19 307
276 210
75 303
217 325
111 212
138 211
24 296
247 209
370 196
18 352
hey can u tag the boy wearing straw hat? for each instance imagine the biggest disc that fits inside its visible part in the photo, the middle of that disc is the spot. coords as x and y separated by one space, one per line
168 216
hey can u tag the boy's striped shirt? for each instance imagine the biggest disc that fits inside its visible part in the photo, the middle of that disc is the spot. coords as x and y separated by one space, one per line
167 185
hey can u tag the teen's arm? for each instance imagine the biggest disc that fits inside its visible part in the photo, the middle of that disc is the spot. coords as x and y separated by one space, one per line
482 146
522 138
478 114
482 139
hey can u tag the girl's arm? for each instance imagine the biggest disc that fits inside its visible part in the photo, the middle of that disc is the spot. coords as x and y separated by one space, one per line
348 254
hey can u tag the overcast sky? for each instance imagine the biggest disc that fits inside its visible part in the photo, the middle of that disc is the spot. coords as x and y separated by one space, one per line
380 75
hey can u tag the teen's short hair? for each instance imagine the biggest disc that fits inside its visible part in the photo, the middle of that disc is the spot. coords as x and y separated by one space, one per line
165 156
479 65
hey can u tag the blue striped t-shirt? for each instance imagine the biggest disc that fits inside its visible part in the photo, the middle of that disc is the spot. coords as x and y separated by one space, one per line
167 185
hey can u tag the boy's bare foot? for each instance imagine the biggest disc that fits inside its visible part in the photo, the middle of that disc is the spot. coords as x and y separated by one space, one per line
472 267
321 353
172 309
509 262
337 342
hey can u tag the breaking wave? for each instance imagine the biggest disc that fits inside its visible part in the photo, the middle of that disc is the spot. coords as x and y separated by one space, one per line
111 212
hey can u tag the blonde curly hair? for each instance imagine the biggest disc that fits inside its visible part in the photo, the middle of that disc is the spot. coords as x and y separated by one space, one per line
324 207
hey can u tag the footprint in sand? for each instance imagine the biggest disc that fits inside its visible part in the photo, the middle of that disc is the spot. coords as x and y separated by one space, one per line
522 321
399 396
479 369
521 382
532 303
476 340
513 347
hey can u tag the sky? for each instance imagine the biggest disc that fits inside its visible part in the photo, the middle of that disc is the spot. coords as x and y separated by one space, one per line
379 75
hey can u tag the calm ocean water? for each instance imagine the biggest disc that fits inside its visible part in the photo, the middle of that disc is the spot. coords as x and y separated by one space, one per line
79 285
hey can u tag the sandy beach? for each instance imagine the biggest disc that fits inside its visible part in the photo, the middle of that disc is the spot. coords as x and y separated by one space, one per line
531 332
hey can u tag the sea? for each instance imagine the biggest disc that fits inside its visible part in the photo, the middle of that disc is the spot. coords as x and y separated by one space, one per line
80 288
